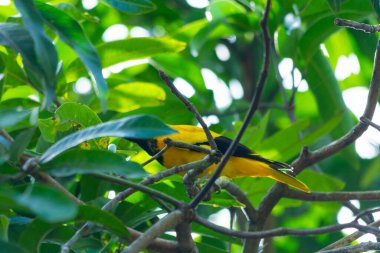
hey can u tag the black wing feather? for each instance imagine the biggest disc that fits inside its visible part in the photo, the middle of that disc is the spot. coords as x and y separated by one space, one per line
223 143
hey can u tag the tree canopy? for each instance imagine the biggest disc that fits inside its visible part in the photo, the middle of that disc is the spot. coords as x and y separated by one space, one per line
298 79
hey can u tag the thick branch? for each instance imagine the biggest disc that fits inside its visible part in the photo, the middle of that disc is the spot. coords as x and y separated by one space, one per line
186 243
169 221
369 122
158 244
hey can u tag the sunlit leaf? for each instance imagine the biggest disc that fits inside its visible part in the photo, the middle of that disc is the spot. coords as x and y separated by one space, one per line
78 113
119 51
223 8
71 33
45 50
18 38
131 96
189 71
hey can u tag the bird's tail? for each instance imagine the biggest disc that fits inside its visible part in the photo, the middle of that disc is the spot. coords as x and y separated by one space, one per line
279 171
288 179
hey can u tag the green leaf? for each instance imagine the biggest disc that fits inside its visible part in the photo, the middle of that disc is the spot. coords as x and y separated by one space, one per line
18 38
294 148
10 247
376 6
108 220
78 113
47 203
371 175
140 126
4 149
4 226
318 181
48 129
132 6
22 91
92 161
34 233
119 51
20 143
45 50
131 96
221 9
71 33
11 117
13 74
335 5
275 144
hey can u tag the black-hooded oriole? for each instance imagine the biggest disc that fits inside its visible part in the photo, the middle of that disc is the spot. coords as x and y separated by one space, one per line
243 163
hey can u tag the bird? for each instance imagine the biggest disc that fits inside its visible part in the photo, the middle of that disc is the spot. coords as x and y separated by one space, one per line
243 163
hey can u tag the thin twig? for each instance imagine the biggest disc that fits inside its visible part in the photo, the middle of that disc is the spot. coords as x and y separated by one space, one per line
253 107
180 144
169 221
156 156
366 217
191 108
369 122
331 196
359 248
140 187
284 231
350 238
366 212
357 26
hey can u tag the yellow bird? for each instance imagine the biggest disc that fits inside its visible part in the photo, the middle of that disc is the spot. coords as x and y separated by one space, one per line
243 163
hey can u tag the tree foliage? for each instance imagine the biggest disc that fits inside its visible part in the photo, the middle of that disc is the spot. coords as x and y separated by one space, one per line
70 95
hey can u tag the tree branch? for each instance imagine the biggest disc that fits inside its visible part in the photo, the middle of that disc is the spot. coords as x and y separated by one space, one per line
357 26
361 247
169 221
308 158
140 187
191 108
124 194
331 196
285 231
252 108
369 122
